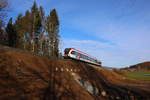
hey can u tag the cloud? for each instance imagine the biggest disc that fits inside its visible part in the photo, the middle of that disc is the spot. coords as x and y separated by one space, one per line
110 55
89 42
95 48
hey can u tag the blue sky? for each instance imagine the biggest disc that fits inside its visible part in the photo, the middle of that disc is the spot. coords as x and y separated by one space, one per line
117 32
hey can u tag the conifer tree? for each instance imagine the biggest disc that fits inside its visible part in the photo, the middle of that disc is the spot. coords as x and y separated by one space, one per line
31 32
20 25
36 27
10 29
42 13
45 46
53 32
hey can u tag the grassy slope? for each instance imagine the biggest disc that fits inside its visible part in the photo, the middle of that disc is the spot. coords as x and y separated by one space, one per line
138 75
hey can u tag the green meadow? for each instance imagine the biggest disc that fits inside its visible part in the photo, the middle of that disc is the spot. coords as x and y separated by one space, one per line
138 75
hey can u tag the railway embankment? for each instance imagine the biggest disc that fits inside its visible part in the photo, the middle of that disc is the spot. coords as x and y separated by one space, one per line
24 76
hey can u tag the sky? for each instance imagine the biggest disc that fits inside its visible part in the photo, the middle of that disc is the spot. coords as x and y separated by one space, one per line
117 32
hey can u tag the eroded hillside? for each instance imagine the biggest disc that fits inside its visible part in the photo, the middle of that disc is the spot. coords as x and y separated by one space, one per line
27 77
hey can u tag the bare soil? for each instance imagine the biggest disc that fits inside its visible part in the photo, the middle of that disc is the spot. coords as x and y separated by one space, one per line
24 76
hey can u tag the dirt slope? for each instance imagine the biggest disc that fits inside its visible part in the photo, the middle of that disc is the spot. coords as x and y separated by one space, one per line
27 77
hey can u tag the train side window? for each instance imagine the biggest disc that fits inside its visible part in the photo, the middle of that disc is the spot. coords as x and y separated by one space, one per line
86 57
73 52
82 56
93 60
90 59
77 54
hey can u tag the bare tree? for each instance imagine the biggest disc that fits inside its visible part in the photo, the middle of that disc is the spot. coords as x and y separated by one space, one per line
3 6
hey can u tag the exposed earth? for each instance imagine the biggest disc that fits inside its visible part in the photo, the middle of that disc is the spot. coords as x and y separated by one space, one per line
24 76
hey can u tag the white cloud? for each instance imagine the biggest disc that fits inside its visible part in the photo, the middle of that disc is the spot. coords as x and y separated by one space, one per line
110 55
94 48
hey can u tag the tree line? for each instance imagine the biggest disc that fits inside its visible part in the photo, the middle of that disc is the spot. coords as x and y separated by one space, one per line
33 32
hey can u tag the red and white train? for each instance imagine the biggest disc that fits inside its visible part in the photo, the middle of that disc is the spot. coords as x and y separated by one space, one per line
72 53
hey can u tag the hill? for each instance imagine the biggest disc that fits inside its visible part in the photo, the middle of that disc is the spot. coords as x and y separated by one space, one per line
106 67
24 76
144 66
141 66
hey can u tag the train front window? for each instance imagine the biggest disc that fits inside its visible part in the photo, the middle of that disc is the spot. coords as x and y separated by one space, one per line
73 52
66 51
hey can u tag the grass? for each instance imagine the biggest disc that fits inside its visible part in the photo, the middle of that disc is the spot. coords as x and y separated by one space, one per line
138 75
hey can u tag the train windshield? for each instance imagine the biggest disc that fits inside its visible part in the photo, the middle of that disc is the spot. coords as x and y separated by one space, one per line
73 52
67 50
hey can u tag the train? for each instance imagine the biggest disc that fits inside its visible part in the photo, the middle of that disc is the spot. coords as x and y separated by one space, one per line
72 53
